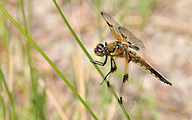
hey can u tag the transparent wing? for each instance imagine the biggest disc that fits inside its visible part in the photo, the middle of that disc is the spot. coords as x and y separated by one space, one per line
133 86
134 42
122 34
130 89
113 25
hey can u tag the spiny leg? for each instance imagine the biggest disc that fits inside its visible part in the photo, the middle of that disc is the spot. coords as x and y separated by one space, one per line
113 68
101 63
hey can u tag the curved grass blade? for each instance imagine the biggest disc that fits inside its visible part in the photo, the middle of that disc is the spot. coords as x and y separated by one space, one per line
33 83
90 58
49 61
9 94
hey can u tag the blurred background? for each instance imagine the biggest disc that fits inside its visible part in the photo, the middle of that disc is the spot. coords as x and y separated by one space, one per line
164 26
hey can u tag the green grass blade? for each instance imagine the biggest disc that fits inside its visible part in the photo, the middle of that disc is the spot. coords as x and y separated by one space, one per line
88 55
48 60
9 94
2 102
33 88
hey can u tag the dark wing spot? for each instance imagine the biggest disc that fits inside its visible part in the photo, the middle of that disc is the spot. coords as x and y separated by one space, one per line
120 100
125 78
110 24
122 35
108 84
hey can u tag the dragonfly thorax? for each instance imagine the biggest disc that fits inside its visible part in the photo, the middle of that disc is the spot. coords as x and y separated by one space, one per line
115 48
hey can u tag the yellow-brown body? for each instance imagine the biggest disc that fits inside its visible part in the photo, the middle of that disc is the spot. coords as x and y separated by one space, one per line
121 50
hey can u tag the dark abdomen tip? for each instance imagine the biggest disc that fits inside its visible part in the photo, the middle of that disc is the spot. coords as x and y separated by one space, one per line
165 81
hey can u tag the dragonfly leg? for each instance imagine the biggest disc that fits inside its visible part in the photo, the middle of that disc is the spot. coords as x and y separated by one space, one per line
101 63
113 69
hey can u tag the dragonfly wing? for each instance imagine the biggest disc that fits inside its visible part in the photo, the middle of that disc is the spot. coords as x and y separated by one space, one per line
132 87
134 42
128 90
113 25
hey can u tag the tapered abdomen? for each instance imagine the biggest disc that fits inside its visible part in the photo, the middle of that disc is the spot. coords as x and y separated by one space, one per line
138 60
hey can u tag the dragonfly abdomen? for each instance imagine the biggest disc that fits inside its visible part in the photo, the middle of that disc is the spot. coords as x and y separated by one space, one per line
138 60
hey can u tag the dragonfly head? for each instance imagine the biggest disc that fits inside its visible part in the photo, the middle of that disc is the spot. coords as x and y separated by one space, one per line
99 50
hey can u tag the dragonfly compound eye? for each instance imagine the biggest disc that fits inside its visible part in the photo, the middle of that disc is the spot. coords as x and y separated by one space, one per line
99 50
101 46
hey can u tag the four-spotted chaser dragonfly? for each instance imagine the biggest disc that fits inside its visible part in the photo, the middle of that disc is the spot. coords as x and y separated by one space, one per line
125 47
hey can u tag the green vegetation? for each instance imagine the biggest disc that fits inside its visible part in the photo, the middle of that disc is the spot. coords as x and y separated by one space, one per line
31 84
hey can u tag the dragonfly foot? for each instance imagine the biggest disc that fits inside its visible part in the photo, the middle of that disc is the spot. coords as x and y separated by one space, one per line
102 82
93 62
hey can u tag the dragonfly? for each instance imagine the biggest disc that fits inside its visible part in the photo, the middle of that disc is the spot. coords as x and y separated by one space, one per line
125 46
